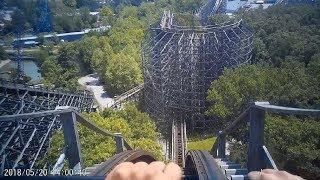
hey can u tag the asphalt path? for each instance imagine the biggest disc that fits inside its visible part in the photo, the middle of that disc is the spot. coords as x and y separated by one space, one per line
91 82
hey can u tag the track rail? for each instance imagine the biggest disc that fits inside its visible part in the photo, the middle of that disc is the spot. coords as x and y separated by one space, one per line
179 142
199 164
132 93
126 156
202 165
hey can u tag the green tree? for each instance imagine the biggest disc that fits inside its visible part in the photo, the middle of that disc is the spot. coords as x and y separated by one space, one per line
187 20
51 71
55 39
122 73
70 3
60 76
260 52
293 142
68 55
150 12
86 50
115 57
41 56
187 6
107 15
129 11
140 123
126 31
95 148
235 89
100 58
219 19
64 24
85 17
313 69
284 31
192 6
78 23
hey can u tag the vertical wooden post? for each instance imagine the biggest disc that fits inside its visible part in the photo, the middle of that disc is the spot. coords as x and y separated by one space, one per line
3 161
221 145
119 142
71 139
256 139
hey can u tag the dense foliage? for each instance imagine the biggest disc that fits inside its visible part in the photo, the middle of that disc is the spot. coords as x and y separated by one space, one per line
62 68
285 32
285 71
220 19
63 16
136 127
190 6
115 56
292 142
189 20
295 146
291 84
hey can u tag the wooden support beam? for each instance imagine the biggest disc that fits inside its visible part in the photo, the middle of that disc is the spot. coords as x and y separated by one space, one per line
3 161
256 139
221 145
71 139
119 142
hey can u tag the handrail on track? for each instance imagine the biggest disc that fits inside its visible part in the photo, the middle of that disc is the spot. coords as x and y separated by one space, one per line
258 154
68 117
126 95
200 29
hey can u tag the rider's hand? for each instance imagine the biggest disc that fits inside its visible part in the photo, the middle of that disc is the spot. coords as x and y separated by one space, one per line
271 174
143 171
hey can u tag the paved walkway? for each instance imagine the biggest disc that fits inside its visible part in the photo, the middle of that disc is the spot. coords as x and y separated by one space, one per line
91 83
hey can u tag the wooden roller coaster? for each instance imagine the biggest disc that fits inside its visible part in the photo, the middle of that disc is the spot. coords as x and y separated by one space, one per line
29 116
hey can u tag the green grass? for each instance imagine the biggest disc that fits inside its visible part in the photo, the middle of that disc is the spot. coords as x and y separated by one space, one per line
204 144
